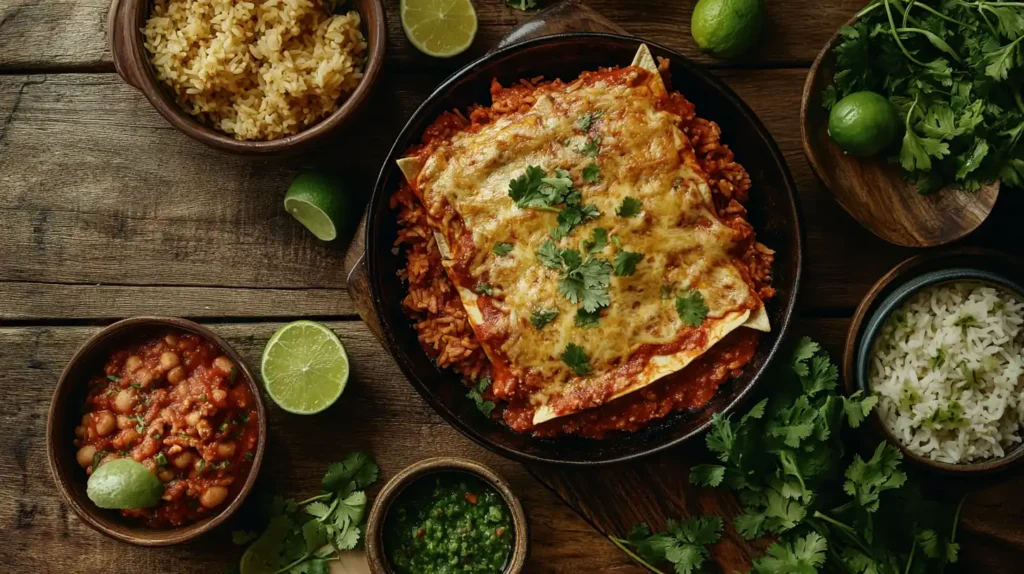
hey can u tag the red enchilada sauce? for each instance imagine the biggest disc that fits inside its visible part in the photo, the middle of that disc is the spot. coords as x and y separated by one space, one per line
180 407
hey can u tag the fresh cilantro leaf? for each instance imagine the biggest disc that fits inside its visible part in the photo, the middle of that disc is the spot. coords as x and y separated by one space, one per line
684 544
804 556
502 248
707 474
355 472
866 480
523 5
625 262
691 308
572 216
586 120
598 241
542 317
587 320
592 173
549 255
590 149
614 239
484 289
535 189
477 395
586 281
630 207
577 359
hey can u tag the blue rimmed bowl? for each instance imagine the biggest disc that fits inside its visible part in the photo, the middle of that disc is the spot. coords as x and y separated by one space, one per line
890 292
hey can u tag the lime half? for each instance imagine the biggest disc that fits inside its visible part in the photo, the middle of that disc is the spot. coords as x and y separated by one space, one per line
124 483
304 367
319 202
439 28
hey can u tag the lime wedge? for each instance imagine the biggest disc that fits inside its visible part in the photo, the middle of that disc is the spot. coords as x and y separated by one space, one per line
439 28
124 483
320 203
304 367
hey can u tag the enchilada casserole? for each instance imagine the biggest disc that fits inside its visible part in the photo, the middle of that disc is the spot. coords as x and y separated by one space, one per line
580 253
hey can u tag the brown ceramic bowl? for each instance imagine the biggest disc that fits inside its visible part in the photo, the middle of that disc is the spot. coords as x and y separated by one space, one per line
968 264
64 415
125 22
375 553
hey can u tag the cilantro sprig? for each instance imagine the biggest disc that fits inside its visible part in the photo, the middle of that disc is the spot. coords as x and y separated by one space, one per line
477 395
786 461
576 358
585 278
534 189
691 308
304 537
953 71
683 544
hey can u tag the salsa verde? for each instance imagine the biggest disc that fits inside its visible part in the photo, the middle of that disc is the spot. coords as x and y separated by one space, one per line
449 523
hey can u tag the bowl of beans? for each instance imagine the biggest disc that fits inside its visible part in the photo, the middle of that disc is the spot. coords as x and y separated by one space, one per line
445 515
177 409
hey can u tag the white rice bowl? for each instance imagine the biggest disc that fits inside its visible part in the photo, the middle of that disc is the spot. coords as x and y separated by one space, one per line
948 370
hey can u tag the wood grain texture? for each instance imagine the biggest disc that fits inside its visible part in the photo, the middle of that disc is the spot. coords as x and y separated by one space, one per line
875 192
379 412
63 34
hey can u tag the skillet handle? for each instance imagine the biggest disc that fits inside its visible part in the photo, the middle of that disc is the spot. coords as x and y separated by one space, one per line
561 17
122 39
359 280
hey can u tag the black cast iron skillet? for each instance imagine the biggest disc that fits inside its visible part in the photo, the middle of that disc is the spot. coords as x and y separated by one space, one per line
772 211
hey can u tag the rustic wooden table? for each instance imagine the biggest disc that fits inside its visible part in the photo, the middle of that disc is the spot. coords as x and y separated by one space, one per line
107 211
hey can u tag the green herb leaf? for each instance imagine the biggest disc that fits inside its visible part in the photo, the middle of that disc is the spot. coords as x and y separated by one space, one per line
523 5
114 378
625 262
691 308
707 474
587 120
590 149
477 395
592 173
484 289
630 207
577 359
542 317
502 248
587 319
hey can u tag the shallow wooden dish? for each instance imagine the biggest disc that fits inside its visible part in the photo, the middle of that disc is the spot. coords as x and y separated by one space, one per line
125 22
874 192
375 553
68 398
1007 272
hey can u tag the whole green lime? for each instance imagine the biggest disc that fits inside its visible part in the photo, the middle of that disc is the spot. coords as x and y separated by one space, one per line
726 28
863 123
124 483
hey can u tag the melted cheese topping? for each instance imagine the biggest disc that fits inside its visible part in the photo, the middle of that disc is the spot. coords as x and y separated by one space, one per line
643 154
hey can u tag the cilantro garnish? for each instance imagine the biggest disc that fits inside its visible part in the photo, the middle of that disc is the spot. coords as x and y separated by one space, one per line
550 255
587 319
691 308
598 240
590 149
484 289
523 5
502 248
535 190
477 394
114 378
586 120
666 292
592 173
828 510
966 320
577 359
625 262
630 207
586 280
572 216
306 536
684 544
952 71
542 317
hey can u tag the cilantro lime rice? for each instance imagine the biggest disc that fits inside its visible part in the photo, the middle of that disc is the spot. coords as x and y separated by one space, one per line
948 370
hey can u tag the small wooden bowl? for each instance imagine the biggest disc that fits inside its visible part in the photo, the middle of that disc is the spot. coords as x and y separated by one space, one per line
874 192
375 553
68 398
125 22
965 264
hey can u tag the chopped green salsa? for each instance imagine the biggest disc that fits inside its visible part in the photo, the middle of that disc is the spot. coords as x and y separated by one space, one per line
449 523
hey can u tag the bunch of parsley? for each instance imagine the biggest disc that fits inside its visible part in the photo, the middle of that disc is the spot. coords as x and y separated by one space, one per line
953 70
304 537
786 462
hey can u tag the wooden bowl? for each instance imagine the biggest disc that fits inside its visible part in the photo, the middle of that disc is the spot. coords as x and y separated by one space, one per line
125 22
68 398
375 553
875 192
966 264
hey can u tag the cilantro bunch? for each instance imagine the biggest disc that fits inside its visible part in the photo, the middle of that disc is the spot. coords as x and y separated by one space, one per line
829 512
953 70
304 537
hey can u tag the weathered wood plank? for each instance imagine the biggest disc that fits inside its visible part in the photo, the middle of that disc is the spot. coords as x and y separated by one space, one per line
54 301
989 532
379 412
67 34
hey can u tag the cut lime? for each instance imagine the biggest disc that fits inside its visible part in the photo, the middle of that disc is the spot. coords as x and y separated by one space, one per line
320 203
439 28
304 367
124 483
